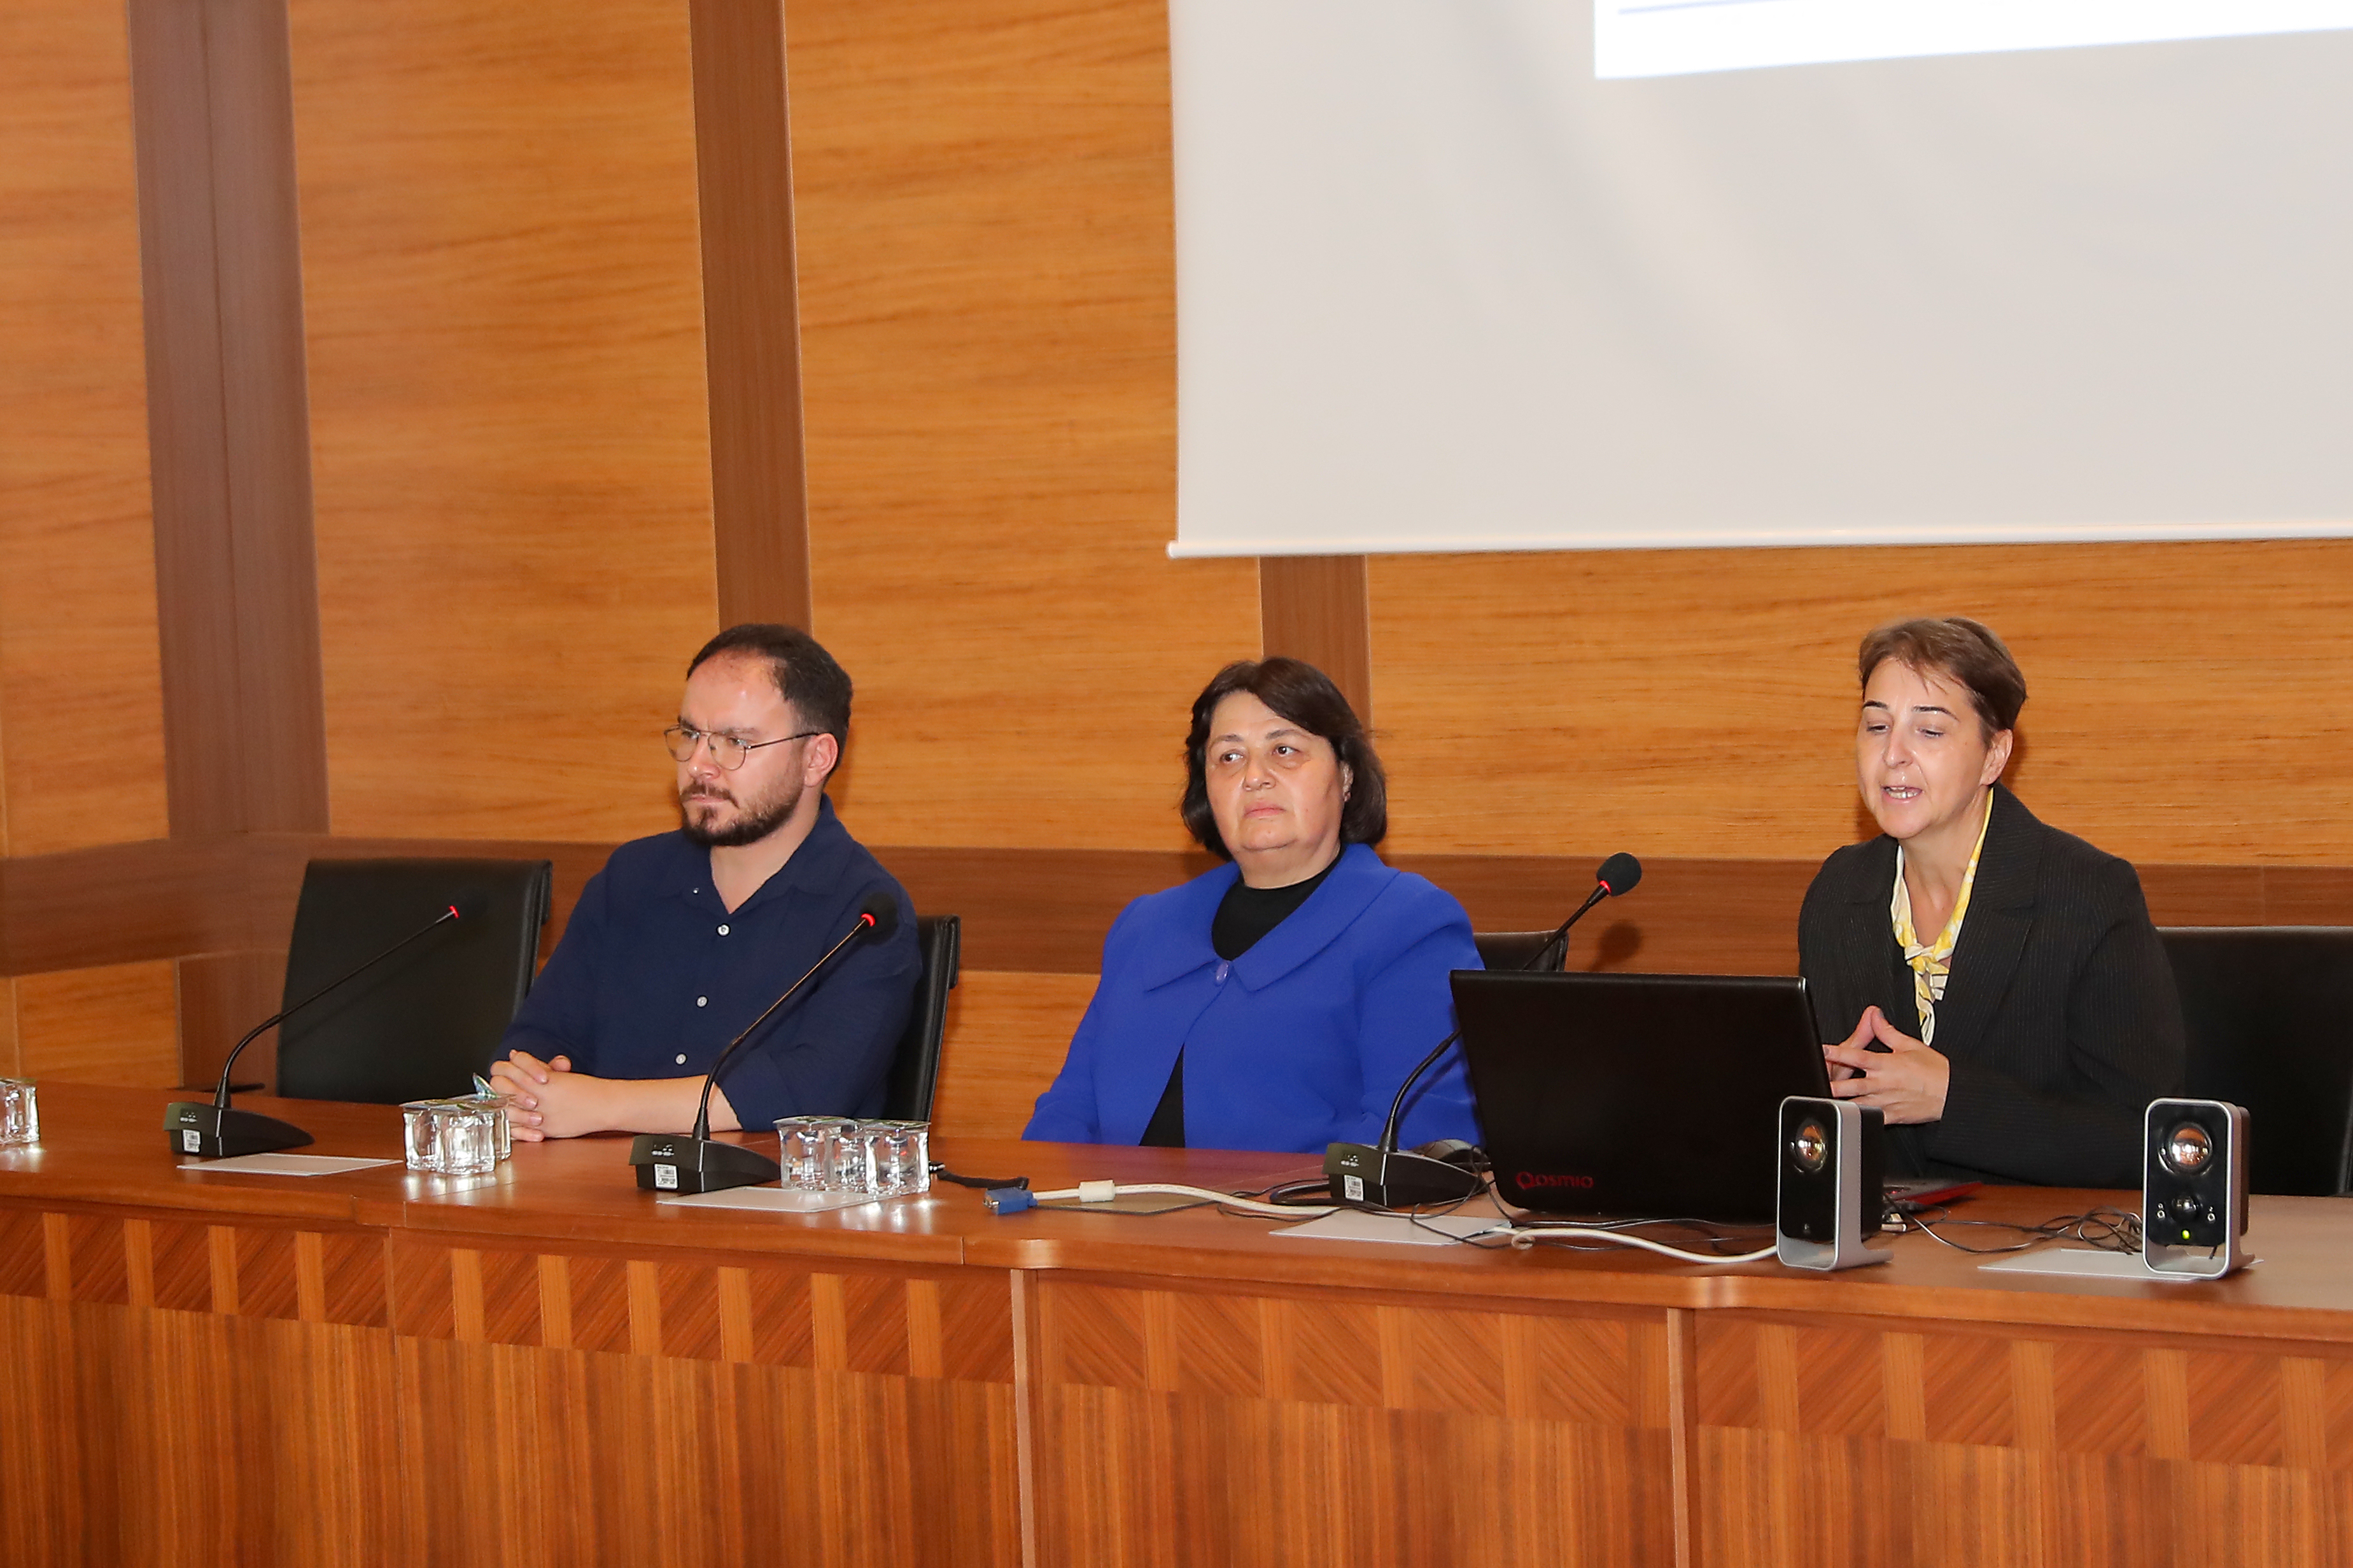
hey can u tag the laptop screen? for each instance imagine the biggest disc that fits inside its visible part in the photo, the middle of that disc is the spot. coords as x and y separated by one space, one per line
1651 1096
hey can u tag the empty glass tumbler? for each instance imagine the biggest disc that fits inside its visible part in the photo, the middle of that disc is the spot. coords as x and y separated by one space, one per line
421 1134
805 1151
20 1112
494 1104
469 1136
899 1157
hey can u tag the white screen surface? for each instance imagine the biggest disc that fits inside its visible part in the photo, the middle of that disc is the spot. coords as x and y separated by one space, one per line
1668 37
1440 288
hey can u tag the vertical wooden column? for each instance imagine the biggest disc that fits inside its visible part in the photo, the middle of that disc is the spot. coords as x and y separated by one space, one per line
236 595
1317 608
236 571
750 311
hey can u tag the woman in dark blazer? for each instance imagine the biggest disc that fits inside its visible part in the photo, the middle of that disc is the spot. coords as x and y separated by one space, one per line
2011 1008
1279 1001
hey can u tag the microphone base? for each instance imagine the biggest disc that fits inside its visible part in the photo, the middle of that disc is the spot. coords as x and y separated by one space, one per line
200 1128
1391 1179
674 1162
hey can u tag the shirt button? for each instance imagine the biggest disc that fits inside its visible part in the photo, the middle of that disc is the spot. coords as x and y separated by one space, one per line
722 931
681 1058
702 1001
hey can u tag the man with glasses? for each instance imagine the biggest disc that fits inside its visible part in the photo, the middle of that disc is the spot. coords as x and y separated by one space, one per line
682 938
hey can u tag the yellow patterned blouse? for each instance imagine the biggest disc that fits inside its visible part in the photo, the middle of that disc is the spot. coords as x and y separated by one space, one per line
1932 962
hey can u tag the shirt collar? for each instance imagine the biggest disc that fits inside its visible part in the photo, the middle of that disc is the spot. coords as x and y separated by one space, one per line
1899 907
816 866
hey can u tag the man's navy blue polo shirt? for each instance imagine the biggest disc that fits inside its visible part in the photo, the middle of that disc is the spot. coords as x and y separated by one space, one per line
655 975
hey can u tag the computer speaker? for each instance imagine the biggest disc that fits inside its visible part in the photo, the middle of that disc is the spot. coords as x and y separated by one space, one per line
1832 1174
2193 1188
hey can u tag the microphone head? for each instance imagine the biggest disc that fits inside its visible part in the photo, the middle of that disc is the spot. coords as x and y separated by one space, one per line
880 913
1618 874
470 906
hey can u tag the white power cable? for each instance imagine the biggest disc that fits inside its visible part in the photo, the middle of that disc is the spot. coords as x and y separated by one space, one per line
1525 1237
1104 1191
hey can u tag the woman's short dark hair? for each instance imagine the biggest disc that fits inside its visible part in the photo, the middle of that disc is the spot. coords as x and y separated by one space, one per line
1963 651
1305 695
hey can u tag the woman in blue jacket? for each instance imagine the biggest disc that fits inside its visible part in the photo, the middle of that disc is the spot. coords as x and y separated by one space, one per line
1279 1001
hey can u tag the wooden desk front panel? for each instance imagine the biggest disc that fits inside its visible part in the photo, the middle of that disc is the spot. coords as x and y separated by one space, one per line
1876 1442
190 1392
1182 1424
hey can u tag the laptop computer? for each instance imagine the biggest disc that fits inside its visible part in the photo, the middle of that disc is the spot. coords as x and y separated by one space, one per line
1637 1096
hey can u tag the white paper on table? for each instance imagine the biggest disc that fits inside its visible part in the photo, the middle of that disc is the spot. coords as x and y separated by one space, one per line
1434 1230
775 1200
286 1164
2088 1264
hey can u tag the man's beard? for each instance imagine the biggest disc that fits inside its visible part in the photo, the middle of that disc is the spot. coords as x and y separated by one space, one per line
757 820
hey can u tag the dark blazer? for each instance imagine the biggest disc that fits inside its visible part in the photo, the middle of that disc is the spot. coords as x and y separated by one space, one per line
2059 1018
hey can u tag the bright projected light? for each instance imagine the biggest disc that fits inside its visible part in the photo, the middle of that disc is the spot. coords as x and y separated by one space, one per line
1439 288
1682 38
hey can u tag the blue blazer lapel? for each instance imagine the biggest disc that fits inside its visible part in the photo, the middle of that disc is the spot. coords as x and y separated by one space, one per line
1185 946
1355 883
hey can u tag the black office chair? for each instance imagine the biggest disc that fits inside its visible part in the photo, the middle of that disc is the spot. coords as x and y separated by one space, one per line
915 1070
424 1022
1516 949
2269 1011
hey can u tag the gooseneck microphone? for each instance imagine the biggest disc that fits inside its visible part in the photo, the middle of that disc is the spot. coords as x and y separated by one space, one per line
212 1131
1385 1178
1617 876
668 1162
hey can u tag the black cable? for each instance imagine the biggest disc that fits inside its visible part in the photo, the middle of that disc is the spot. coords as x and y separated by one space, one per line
2104 1229
986 1184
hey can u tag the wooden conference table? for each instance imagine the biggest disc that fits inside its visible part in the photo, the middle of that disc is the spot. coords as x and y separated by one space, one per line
545 1366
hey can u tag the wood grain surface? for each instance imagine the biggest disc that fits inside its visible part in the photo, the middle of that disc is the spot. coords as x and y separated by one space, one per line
689 1384
78 650
1316 607
236 592
502 276
114 1024
988 326
2188 700
1008 1034
750 311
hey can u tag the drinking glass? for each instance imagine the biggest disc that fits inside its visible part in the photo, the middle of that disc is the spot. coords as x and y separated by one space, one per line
803 1152
468 1137
491 1102
900 1153
846 1166
20 1112
421 1133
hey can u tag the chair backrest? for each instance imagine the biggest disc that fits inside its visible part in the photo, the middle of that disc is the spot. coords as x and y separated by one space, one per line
425 1021
1512 948
915 1070
2268 1013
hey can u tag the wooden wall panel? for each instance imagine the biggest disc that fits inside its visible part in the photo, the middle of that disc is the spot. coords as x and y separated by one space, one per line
2190 702
1007 1034
982 202
117 1024
79 683
236 595
1313 607
512 458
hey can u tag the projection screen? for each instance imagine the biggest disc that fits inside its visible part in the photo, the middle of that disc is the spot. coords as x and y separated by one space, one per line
1442 287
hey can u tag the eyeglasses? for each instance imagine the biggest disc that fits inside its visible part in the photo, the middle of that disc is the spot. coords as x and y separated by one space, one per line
726 750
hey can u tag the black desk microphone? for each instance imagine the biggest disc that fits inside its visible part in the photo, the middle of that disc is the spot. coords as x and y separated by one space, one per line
669 1162
1385 1178
214 1130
